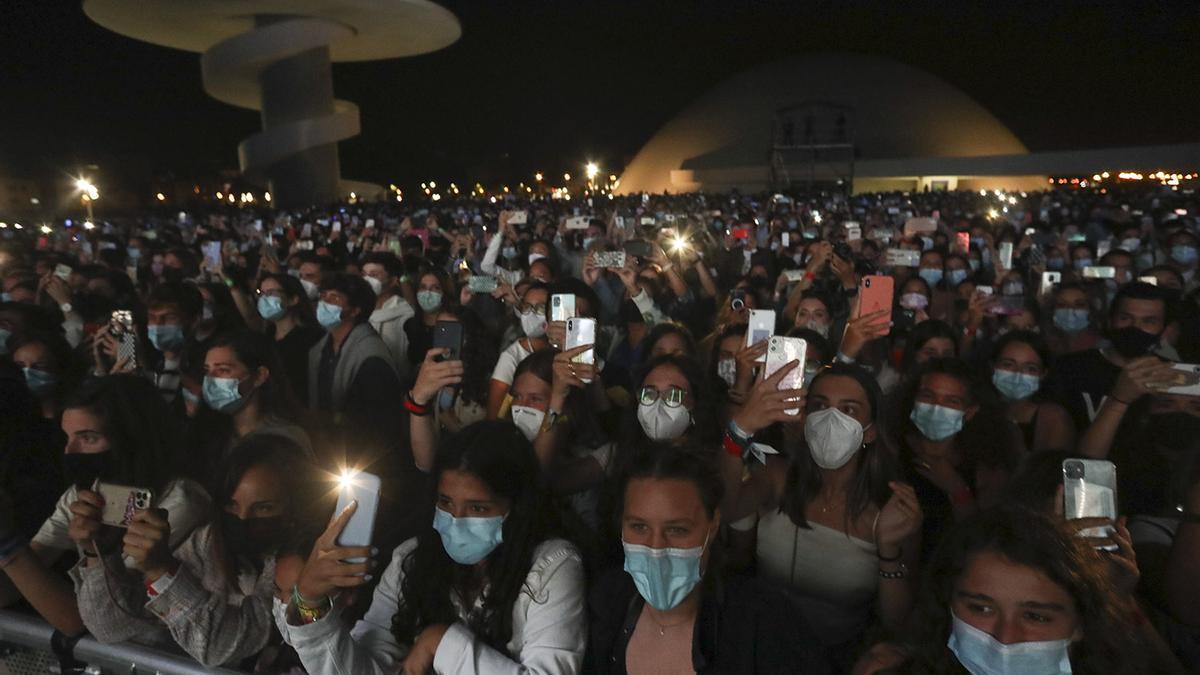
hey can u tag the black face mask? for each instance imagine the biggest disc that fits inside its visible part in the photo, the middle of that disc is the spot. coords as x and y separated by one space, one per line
82 469
253 538
1132 342
172 274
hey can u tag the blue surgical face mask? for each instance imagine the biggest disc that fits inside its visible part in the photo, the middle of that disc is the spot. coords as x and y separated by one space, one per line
429 300
134 253
1132 244
5 297
328 315
1015 386
1071 320
936 422
975 264
509 252
663 576
222 394
931 275
39 381
982 654
468 540
1056 264
1184 254
587 241
956 277
166 337
1081 263
270 307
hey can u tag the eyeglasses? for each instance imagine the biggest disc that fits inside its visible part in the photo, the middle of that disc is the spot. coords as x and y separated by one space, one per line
536 309
673 396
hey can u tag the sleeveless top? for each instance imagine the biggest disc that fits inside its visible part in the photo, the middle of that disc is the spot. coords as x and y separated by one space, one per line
832 576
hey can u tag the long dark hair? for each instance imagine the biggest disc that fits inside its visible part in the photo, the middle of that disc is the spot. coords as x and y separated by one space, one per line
586 429
705 425
499 456
876 464
1033 540
300 482
142 432
479 355
293 290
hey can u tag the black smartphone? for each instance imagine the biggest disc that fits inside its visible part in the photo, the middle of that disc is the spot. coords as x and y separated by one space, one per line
448 334
903 320
638 247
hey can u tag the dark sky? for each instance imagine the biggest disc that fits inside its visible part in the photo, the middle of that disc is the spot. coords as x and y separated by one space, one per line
546 85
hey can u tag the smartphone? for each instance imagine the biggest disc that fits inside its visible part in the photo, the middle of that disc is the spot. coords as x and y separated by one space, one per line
610 259
1049 281
481 284
1185 380
1152 280
639 248
874 294
1103 247
518 218
337 226
562 306
1006 252
307 245
853 233
784 240
1099 272
647 220
740 232
364 488
762 327
578 223
902 257
121 502
903 320
985 290
62 271
121 326
582 331
964 241
212 254
780 352
306 231
794 276
448 334
1090 491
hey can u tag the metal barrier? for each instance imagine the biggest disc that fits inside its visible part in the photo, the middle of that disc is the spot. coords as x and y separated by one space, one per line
30 632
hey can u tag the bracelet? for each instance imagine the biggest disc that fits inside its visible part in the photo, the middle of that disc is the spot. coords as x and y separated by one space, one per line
893 559
898 574
309 612
411 405
732 448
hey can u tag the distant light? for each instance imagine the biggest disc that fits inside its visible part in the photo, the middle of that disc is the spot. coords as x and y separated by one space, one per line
267 196
592 170
45 229
566 176
432 184
983 193
231 198
993 213
353 196
538 176
160 196
816 216
424 185
35 201
17 225
436 197
220 196
89 225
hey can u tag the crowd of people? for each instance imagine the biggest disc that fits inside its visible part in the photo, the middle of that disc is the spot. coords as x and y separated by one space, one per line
651 499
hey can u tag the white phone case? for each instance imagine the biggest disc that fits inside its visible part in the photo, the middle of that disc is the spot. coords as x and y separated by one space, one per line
562 306
582 331
363 487
121 502
1090 491
780 352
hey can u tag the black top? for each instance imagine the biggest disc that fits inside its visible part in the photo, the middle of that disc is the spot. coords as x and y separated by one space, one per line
420 339
1080 381
293 354
743 627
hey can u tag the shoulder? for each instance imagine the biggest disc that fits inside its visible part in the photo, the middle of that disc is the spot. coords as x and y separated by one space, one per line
549 559
184 493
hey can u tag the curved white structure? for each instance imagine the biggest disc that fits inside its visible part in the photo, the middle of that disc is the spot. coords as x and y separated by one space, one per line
275 56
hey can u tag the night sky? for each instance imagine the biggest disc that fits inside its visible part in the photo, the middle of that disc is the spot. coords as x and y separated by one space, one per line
546 85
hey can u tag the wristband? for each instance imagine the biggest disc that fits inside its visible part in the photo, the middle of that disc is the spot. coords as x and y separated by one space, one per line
808 275
900 573
172 570
731 446
309 612
411 405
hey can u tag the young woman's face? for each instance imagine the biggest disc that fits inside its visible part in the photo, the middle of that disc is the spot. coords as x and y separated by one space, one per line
671 343
35 355
812 309
1012 602
730 346
667 513
667 377
84 431
1019 357
463 495
430 282
272 287
259 494
224 362
935 348
531 391
845 394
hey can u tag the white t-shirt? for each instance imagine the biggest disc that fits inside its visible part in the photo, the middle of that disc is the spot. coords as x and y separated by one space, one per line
510 358
187 506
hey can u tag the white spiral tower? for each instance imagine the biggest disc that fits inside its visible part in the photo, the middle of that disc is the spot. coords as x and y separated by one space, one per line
276 56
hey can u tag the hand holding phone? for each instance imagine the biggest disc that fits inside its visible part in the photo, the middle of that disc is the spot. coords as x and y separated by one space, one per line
1090 491
362 489
449 335
761 328
875 294
121 502
780 352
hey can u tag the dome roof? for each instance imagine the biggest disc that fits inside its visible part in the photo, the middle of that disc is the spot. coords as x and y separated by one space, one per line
898 112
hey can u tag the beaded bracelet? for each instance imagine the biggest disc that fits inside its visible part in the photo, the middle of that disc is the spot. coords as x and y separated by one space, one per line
898 574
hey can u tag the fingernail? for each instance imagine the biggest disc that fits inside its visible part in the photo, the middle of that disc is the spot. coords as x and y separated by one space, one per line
374 551
367 577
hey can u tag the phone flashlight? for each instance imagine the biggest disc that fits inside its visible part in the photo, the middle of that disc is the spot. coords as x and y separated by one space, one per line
679 245
346 479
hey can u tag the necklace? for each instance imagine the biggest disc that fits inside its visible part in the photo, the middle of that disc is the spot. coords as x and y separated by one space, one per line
662 629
